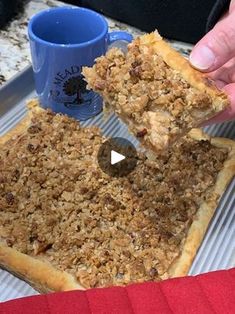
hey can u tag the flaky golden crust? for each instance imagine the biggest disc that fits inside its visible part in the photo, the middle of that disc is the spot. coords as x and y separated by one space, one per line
23 124
192 76
207 209
15 131
44 277
40 274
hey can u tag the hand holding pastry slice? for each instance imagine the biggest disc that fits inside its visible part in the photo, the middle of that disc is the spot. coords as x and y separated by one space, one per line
155 90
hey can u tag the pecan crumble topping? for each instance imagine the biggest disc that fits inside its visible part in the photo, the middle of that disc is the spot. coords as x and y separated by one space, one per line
149 94
57 205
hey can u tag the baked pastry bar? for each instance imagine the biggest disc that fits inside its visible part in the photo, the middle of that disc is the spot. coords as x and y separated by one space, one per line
64 224
154 90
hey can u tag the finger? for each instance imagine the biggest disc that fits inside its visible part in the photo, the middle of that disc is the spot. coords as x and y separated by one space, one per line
225 73
220 84
229 113
232 5
217 46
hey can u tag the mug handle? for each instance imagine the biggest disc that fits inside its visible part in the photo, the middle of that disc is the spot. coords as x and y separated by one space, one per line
119 35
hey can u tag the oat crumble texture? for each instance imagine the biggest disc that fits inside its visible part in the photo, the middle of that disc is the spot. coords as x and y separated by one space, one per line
57 205
154 90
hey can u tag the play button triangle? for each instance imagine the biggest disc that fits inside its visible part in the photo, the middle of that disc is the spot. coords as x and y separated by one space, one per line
116 157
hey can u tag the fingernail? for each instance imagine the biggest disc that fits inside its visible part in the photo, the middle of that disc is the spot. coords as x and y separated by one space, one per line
202 58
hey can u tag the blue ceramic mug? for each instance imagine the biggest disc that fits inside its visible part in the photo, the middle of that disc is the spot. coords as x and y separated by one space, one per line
62 40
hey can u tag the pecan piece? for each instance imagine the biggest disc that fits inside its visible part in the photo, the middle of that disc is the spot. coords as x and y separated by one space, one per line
33 129
15 175
32 148
153 272
9 198
136 70
40 247
141 133
2 179
9 242
136 63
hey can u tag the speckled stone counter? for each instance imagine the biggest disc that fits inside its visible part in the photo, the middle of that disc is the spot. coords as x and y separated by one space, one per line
14 45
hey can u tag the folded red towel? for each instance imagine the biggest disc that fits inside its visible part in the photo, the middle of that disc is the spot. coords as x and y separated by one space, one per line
213 292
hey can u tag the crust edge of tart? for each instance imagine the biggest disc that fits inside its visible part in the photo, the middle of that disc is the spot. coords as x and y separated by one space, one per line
194 77
32 105
39 274
198 228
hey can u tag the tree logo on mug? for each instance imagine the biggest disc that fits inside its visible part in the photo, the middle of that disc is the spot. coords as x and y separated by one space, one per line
76 86
70 88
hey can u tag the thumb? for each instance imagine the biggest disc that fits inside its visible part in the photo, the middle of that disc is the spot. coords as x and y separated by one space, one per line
229 113
217 46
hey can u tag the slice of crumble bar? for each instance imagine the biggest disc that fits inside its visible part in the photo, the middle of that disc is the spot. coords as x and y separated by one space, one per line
154 90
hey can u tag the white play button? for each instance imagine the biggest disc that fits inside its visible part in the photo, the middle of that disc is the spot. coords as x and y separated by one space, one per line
116 157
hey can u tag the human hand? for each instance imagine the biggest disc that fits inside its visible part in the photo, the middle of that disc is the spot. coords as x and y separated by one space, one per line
215 54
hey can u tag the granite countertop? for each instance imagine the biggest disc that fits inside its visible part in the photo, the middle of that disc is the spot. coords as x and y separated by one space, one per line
14 46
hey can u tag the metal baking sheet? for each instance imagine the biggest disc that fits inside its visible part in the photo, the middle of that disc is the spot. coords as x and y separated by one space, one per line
217 250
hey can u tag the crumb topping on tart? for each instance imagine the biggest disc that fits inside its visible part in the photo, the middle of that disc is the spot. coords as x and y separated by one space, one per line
150 95
57 205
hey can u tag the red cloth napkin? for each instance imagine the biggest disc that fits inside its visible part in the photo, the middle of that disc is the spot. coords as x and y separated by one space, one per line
213 292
